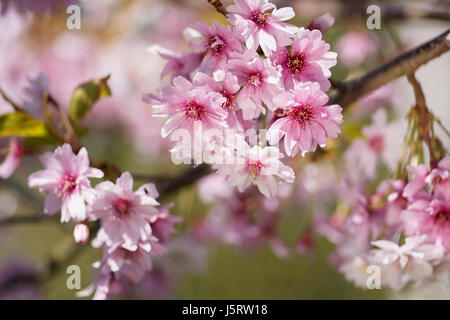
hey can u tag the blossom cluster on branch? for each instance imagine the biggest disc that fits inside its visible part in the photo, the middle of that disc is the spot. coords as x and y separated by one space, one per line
241 86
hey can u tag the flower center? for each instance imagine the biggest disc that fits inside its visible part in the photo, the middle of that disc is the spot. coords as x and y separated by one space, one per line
442 217
228 105
194 111
122 207
260 18
69 184
295 62
255 79
301 113
254 168
376 143
215 48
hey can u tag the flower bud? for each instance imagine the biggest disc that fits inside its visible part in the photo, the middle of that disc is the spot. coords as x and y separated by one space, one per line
81 233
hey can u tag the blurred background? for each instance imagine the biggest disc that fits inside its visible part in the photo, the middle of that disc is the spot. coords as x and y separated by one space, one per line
113 39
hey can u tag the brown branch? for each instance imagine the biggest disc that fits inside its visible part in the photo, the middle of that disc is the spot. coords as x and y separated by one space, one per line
404 64
168 185
219 6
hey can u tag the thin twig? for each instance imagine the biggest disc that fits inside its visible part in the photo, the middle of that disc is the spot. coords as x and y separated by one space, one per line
441 125
400 66
9 100
423 116
219 6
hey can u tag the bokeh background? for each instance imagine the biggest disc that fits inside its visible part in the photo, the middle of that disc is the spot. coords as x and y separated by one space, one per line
113 39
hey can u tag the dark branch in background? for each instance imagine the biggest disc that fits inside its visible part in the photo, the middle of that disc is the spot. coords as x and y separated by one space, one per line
166 186
26 219
404 64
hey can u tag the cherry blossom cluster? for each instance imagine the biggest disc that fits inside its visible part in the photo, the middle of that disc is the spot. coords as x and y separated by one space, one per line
403 228
133 226
258 81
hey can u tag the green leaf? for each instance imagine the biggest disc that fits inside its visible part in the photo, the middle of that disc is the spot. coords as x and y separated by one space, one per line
86 95
21 124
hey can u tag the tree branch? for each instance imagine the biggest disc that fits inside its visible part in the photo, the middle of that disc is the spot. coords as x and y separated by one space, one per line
219 6
404 64
26 219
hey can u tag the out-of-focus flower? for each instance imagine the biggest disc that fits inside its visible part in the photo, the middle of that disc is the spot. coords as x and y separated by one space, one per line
261 28
321 23
308 59
354 47
35 91
382 141
307 122
383 96
65 182
12 159
177 64
212 188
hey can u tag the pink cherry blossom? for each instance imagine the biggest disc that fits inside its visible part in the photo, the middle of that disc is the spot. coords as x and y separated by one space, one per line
124 213
432 218
307 122
260 83
227 85
321 23
215 43
308 59
65 182
354 47
187 104
261 28
163 225
382 141
256 165
12 160
124 263
422 175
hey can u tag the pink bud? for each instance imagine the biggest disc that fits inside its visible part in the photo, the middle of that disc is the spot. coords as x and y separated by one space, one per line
81 233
